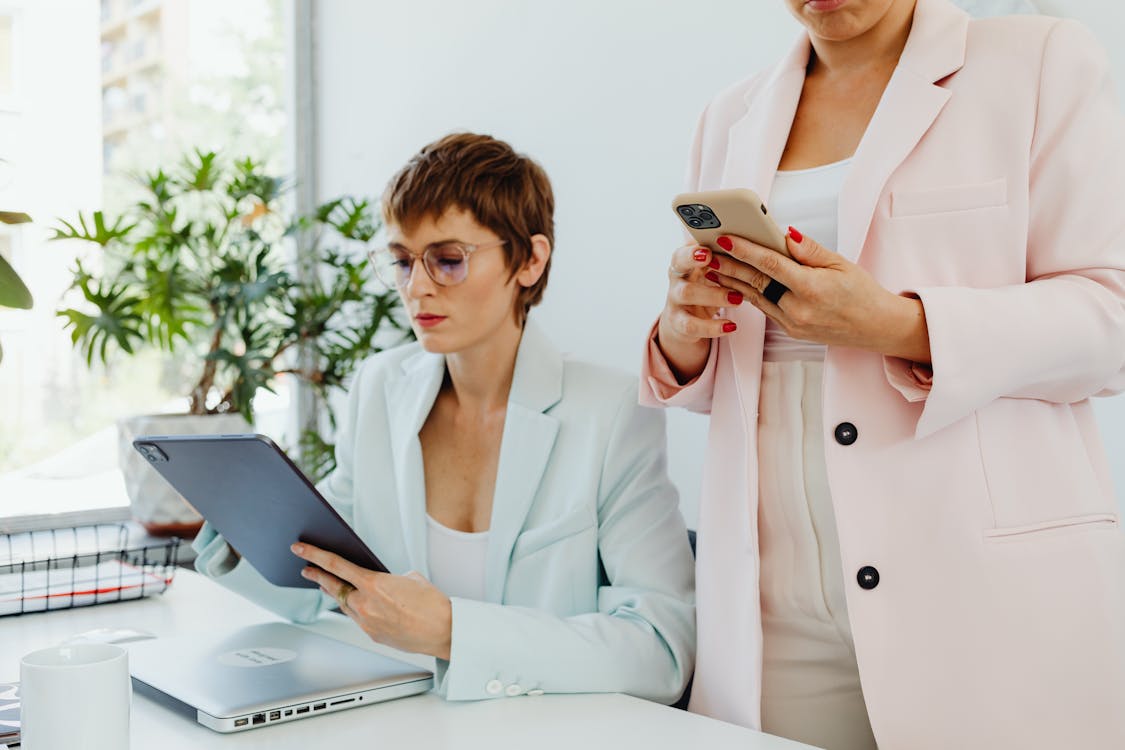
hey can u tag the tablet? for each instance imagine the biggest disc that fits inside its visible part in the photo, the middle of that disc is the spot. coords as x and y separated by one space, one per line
249 490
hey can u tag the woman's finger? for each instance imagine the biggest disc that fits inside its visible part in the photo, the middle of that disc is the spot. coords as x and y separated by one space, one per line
772 310
769 262
687 259
733 270
328 583
334 564
712 295
693 327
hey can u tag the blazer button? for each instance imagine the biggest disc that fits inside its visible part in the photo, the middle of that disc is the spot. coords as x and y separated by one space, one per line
846 433
868 577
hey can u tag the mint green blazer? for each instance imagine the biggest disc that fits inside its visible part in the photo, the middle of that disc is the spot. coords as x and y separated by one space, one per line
589 577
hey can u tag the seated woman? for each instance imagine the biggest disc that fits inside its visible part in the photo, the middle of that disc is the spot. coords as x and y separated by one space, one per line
519 498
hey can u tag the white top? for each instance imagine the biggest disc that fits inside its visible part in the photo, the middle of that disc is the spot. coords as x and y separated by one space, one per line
457 560
807 199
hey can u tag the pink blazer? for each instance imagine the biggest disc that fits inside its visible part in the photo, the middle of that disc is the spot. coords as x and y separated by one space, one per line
989 183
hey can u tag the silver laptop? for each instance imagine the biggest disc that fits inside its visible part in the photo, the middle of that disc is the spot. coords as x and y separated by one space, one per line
266 674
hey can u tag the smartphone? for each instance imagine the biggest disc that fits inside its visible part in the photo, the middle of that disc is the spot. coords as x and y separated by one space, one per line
737 211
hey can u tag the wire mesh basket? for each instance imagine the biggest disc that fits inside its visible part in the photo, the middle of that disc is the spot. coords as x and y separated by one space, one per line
80 566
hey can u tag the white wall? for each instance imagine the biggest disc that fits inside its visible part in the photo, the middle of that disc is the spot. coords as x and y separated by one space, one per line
604 95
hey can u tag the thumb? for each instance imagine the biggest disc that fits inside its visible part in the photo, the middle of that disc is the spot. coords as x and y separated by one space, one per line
807 251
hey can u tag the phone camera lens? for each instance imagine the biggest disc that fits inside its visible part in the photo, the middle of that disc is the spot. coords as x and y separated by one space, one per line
685 210
707 216
696 223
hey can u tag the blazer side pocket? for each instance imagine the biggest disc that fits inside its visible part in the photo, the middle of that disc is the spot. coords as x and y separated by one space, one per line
950 198
553 532
1090 522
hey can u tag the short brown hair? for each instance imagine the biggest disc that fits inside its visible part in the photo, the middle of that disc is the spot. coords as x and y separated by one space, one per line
505 191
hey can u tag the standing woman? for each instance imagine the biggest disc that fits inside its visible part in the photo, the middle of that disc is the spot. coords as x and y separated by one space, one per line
907 532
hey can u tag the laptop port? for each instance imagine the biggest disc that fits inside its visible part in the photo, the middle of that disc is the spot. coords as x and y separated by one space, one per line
289 712
241 722
303 710
345 700
275 715
318 706
259 719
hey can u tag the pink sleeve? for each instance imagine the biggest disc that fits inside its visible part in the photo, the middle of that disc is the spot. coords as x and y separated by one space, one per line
1060 336
659 386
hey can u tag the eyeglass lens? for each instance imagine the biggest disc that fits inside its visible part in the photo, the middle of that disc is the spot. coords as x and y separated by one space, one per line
447 264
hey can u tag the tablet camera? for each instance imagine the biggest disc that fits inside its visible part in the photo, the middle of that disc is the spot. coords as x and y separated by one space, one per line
152 453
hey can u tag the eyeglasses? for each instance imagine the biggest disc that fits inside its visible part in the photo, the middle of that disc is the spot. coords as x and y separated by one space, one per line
446 263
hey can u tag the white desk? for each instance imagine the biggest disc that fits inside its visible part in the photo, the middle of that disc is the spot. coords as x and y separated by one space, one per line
195 604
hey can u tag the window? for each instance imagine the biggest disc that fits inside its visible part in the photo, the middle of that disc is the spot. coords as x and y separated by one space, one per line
134 100
7 58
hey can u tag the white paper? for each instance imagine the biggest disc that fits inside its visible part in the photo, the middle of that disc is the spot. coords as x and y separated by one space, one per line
59 588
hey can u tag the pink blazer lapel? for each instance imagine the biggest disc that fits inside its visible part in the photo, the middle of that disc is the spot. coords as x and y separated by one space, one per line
910 104
758 139
754 146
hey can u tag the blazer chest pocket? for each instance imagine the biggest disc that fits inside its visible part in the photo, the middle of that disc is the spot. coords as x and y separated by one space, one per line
949 198
545 535
1090 522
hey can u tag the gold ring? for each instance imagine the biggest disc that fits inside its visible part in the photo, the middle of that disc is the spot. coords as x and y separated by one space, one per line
342 595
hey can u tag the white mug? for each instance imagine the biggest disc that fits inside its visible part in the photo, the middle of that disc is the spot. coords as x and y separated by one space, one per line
75 697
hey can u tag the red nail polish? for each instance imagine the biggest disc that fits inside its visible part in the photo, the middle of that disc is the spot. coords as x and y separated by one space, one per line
700 255
724 242
797 236
734 298
729 327
712 276
714 263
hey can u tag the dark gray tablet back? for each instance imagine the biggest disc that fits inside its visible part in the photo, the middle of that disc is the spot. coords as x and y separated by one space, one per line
253 495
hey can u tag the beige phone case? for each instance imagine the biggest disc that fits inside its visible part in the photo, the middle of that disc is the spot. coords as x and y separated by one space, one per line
737 211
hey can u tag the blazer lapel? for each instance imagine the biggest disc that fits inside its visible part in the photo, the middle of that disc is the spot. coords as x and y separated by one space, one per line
409 401
758 138
525 449
910 104
754 147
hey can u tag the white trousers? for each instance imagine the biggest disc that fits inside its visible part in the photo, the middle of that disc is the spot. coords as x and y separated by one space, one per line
810 681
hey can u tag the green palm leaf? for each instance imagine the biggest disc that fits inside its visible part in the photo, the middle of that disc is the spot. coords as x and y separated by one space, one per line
118 319
13 292
99 233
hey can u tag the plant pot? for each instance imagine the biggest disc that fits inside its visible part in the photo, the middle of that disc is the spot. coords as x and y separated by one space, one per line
154 504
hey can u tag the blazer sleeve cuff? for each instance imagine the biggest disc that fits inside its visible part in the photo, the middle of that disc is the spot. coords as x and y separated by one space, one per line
216 560
659 386
213 556
913 380
475 671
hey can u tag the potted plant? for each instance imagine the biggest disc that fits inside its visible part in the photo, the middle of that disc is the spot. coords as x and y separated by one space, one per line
13 292
195 268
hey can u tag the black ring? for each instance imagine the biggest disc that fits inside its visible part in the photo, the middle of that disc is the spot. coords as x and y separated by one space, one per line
774 290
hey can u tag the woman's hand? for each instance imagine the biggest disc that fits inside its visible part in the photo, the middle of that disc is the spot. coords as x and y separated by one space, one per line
690 318
830 300
405 612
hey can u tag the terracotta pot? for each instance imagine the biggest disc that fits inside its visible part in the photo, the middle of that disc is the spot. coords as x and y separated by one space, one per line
154 504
